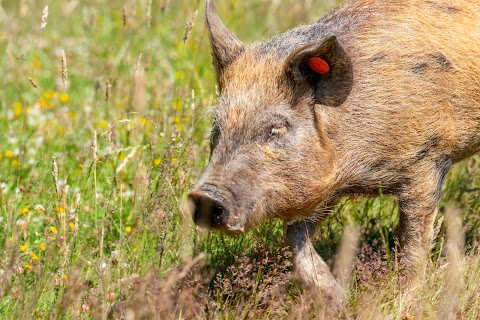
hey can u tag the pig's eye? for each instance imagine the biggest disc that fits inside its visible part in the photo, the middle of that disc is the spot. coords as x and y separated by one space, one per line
276 131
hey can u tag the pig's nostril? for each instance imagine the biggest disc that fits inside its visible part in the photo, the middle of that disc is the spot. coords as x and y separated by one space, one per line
219 215
207 211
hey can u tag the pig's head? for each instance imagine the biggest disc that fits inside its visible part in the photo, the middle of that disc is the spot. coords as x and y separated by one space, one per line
270 151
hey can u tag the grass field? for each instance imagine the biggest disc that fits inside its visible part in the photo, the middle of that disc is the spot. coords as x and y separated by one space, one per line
97 157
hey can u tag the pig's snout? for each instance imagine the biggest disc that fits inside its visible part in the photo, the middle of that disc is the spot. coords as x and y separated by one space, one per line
207 211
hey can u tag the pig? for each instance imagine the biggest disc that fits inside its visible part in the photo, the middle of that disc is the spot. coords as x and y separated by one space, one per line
376 96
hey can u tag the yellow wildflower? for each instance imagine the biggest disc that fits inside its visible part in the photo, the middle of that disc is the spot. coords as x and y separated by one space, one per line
128 230
17 109
71 225
49 94
53 229
64 98
34 257
179 75
28 266
15 163
65 277
40 209
42 247
9 154
44 103
23 247
103 124
60 209
24 210
177 106
157 161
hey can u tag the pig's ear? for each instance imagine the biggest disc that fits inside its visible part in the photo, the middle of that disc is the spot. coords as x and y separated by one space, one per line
225 47
326 68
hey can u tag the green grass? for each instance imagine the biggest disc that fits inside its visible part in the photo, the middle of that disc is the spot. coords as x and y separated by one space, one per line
111 239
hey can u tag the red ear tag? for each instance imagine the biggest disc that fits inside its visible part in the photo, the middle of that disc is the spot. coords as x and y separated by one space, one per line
318 65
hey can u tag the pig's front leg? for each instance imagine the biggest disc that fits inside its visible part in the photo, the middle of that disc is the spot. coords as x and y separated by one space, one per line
309 266
418 209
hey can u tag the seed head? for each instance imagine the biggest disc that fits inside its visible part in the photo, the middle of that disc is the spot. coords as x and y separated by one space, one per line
107 90
33 83
44 18
94 148
55 174
189 26
149 14
64 71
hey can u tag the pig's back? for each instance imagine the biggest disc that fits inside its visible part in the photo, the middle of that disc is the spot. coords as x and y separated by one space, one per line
416 72
417 69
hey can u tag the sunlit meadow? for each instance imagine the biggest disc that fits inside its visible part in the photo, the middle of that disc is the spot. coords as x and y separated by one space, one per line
104 128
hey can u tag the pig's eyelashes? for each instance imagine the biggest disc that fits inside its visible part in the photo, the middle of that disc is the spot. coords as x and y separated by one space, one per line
276 132
214 137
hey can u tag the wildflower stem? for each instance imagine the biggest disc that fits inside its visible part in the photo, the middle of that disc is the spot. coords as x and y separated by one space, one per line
120 239
94 153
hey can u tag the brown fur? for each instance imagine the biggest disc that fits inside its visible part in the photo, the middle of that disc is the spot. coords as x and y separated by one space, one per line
413 110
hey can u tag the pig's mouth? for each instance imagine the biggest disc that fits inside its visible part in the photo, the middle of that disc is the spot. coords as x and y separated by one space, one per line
209 210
